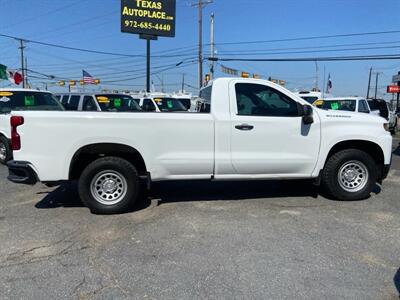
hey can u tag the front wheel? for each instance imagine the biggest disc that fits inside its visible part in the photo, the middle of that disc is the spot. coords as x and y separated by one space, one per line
109 185
5 150
349 175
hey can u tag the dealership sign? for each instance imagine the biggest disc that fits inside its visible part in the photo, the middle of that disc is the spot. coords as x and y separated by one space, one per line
152 18
393 89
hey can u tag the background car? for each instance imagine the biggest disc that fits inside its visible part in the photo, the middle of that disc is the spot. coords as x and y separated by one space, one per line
385 111
355 104
161 104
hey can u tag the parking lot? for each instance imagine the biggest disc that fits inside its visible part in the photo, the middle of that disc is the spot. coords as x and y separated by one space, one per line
190 240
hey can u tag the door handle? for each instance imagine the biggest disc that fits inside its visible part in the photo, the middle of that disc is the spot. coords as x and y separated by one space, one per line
245 127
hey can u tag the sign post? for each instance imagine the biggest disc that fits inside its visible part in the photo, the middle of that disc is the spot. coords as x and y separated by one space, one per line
150 19
396 89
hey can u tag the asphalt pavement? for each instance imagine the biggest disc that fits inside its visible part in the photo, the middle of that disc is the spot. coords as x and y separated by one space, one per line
197 240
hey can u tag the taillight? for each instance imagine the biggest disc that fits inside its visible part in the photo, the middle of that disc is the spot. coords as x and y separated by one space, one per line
15 121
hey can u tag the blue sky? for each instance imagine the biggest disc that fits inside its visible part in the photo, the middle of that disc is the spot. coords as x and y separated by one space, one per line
95 25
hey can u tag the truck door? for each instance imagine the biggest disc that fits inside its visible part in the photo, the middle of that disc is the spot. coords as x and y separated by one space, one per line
268 136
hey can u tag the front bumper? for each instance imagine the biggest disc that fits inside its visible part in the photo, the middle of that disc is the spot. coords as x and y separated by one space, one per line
21 172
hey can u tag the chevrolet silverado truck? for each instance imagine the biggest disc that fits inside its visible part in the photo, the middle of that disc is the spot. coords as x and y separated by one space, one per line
247 129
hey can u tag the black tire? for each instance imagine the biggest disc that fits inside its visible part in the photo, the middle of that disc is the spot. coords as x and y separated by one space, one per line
359 160
5 146
106 177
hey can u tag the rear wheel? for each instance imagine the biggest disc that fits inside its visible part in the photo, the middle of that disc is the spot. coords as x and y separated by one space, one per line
109 185
349 175
5 150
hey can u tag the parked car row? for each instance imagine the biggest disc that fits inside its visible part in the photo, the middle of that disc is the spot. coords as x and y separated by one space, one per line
122 102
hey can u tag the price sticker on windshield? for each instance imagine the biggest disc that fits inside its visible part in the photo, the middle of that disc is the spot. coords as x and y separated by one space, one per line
117 103
29 100
334 105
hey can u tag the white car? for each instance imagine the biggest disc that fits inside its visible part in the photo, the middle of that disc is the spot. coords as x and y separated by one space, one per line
161 104
252 129
14 99
353 104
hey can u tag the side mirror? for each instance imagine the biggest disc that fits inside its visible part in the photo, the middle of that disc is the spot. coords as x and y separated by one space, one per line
308 115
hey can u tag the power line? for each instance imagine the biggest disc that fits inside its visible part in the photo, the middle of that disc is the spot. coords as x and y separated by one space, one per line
81 49
312 51
311 47
304 59
311 38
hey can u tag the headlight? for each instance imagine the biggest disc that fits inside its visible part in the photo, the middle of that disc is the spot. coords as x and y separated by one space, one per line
386 126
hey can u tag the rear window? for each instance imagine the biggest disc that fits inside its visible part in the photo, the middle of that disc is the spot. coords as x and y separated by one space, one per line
24 100
204 103
117 103
347 105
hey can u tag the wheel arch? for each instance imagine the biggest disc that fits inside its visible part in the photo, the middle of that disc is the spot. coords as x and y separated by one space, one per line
373 149
89 153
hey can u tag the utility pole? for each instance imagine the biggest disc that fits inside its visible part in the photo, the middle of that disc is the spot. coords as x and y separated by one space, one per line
376 83
183 82
212 63
148 65
369 82
200 4
316 76
398 95
26 73
22 47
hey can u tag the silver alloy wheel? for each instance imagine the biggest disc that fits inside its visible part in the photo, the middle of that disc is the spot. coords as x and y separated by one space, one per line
353 176
108 187
3 151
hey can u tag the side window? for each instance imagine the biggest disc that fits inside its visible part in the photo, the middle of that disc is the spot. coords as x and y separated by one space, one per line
148 105
363 107
89 104
73 102
64 100
260 100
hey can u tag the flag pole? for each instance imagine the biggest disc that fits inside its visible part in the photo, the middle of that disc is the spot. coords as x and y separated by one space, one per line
323 85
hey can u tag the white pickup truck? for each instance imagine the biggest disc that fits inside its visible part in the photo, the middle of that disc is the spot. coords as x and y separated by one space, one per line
248 129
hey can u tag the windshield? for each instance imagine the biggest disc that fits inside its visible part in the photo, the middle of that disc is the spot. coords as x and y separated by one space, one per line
117 103
348 105
27 100
169 104
310 99
186 102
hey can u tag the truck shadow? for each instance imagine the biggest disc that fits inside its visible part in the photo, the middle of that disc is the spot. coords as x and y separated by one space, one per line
396 280
397 150
185 191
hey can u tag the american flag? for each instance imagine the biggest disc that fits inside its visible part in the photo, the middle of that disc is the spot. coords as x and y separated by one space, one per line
87 78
